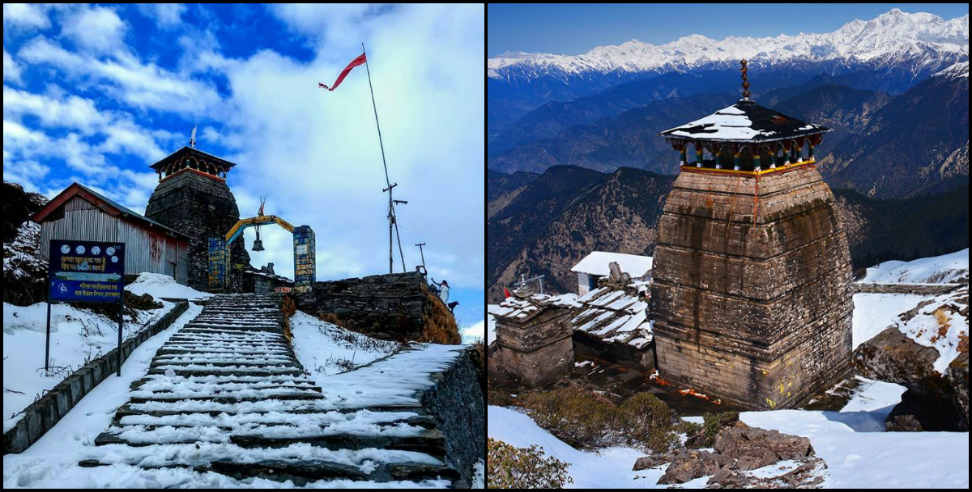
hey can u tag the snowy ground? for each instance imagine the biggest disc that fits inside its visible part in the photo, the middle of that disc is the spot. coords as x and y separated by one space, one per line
159 285
77 336
325 348
857 453
952 267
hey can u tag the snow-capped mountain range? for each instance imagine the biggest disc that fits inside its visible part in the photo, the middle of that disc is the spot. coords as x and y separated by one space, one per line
922 40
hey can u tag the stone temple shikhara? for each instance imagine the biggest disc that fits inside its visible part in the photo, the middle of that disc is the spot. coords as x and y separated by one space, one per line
750 298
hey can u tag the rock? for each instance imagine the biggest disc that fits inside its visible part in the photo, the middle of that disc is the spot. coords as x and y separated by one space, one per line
739 448
755 448
893 357
651 461
933 402
24 271
803 476
957 376
688 464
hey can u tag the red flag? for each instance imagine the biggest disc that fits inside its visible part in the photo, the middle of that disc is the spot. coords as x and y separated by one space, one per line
344 73
506 292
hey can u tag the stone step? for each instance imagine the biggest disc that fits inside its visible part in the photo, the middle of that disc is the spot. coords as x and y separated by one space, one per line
229 372
430 442
225 360
310 395
255 353
234 421
301 473
289 406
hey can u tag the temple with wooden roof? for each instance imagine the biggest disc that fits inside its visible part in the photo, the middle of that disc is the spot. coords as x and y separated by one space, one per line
750 296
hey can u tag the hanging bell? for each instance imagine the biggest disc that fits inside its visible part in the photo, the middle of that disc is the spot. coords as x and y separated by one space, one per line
257 243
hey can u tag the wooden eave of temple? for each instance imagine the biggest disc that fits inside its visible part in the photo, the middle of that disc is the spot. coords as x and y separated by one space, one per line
189 159
746 138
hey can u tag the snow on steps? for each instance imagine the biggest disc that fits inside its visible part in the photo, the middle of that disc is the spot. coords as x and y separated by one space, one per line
226 394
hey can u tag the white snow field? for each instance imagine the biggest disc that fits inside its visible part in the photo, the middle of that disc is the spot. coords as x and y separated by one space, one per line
325 348
77 336
160 285
951 267
857 453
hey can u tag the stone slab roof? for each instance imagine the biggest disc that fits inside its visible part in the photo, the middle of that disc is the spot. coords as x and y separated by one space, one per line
597 263
744 122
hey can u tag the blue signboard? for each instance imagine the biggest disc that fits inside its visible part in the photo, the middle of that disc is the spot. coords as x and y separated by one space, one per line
219 258
86 271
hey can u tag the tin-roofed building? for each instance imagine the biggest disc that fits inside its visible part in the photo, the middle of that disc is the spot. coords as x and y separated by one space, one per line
83 214
597 265
750 289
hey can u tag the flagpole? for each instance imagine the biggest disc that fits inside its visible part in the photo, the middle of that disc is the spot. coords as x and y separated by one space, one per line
391 203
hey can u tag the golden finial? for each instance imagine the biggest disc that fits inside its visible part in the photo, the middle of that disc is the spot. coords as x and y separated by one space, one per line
745 82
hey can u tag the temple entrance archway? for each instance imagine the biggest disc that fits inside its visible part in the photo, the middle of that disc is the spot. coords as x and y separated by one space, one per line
305 269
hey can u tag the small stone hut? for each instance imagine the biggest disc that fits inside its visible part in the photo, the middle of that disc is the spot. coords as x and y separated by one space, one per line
750 292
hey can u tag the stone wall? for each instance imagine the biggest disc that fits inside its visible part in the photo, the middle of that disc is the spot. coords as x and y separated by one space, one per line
750 296
536 351
921 289
200 207
44 413
397 306
457 402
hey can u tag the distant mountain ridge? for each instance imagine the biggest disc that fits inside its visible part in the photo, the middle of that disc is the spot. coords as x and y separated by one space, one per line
888 39
560 216
889 53
881 145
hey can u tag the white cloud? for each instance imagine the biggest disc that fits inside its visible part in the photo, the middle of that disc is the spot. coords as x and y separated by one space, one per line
474 332
11 71
166 14
74 112
25 15
316 153
132 82
98 29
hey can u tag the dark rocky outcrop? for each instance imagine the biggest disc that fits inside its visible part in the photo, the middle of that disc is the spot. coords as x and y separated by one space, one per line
397 306
933 402
740 448
16 206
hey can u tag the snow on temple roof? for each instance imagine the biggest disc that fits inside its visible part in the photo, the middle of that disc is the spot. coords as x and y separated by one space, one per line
597 263
744 121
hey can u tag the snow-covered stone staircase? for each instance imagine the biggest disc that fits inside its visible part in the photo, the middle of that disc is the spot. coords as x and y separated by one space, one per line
226 394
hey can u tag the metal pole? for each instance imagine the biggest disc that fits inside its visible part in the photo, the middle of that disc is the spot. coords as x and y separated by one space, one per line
384 163
422 253
47 342
121 321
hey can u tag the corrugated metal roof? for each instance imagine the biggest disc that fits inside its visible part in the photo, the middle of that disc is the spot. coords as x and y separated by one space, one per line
597 263
123 210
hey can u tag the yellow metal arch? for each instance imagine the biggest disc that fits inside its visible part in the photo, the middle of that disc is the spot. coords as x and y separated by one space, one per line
238 228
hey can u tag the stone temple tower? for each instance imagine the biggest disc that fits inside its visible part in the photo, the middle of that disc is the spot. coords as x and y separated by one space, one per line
192 197
751 299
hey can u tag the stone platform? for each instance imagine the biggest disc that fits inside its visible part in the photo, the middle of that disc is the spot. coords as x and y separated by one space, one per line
751 298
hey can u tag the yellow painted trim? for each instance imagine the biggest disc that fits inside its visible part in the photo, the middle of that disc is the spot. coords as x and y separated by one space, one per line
263 219
748 173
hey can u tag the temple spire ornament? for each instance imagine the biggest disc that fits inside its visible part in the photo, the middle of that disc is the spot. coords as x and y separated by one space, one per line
745 80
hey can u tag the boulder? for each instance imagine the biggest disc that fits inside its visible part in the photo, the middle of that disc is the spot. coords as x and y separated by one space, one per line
651 461
753 448
688 464
738 448
933 402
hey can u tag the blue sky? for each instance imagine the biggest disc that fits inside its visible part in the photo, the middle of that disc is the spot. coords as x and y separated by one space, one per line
97 93
575 29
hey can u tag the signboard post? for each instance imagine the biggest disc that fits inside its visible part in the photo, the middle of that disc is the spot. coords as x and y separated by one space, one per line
85 271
